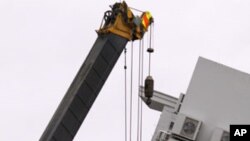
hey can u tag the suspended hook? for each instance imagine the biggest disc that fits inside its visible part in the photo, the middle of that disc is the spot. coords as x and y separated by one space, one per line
149 89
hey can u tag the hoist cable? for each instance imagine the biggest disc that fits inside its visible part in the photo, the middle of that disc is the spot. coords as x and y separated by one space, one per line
131 91
101 23
153 35
149 65
125 87
150 47
142 64
136 9
139 94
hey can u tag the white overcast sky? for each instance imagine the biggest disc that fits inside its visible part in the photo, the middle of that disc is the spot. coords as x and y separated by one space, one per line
44 42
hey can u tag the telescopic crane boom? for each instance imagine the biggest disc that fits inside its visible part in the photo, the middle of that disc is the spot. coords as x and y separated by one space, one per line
120 26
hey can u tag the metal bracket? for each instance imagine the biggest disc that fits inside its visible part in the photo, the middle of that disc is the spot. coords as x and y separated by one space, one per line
161 100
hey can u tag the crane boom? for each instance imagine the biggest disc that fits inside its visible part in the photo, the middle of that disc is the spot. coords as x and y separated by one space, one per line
85 88
119 28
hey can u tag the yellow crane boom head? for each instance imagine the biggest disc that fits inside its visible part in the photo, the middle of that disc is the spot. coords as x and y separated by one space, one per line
121 21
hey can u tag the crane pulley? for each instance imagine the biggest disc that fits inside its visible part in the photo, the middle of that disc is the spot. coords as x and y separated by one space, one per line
121 21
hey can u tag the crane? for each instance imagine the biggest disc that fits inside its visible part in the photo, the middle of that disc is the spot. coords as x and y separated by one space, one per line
119 26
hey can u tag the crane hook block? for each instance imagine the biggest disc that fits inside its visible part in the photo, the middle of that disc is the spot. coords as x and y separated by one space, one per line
149 88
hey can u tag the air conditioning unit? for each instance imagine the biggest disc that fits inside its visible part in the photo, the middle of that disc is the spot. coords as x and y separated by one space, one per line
220 135
186 128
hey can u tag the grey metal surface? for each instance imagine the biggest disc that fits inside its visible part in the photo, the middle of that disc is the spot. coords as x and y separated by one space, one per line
85 88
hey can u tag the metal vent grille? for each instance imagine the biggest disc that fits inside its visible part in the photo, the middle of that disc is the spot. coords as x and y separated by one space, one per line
189 128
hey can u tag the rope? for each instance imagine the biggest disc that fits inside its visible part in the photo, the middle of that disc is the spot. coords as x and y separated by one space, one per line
150 43
136 9
153 35
131 92
101 23
125 87
140 83
142 61
139 94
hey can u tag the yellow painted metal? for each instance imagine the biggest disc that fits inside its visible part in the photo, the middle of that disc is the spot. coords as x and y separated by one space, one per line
124 24
119 27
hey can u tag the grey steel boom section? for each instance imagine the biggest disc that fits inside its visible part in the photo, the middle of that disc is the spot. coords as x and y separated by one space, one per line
85 88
